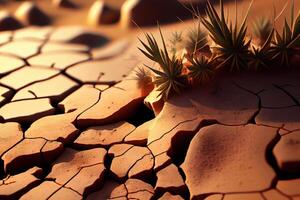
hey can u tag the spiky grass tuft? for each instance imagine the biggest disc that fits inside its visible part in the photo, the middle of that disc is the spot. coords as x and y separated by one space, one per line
262 28
232 49
176 42
200 70
285 44
196 39
169 78
261 56
143 77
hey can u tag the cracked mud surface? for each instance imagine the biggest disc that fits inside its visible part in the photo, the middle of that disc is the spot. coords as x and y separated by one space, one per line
69 127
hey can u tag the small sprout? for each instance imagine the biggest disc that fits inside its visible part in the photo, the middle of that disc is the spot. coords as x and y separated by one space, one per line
176 42
285 44
262 28
260 56
196 39
200 70
170 78
232 49
143 77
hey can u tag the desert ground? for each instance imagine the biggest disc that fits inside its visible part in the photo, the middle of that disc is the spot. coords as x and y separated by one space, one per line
74 123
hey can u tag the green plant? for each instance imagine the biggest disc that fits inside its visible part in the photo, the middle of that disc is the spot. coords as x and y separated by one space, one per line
201 70
262 28
232 49
285 44
143 77
170 78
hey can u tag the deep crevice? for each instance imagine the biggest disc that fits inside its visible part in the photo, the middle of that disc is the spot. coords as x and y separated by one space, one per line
1 169
143 114
22 191
181 141
271 158
252 119
152 178
281 175
107 161
180 144
186 192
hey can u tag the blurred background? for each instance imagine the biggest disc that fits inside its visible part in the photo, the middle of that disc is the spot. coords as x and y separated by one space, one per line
126 15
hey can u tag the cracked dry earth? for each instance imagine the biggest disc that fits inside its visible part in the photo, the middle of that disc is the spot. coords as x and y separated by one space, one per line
75 126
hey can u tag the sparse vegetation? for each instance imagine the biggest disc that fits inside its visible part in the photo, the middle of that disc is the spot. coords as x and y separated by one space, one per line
260 56
262 28
196 39
176 42
231 49
143 77
170 78
200 70
284 44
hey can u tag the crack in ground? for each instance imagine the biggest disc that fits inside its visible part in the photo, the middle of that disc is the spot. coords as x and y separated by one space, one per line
280 107
127 150
33 93
24 137
34 82
43 43
116 87
289 132
5 179
288 94
46 140
137 191
15 56
7 150
141 158
128 193
61 186
280 127
53 102
271 160
8 87
75 122
41 153
66 187
81 168
123 140
77 63
259 106
166 133
265 198
18 68
43 160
